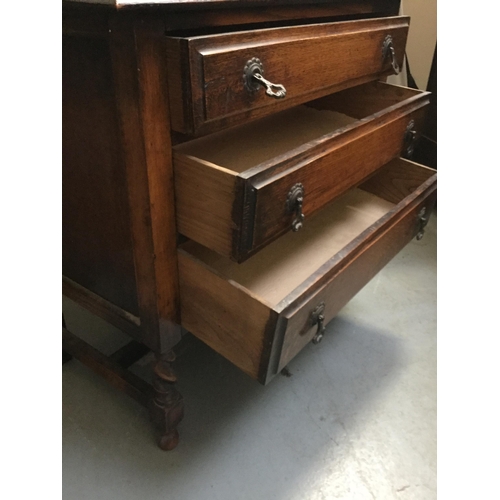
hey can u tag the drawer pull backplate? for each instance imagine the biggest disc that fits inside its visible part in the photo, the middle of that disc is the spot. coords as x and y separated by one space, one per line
388 51
318 318
423 219
410 138
254 79
294 202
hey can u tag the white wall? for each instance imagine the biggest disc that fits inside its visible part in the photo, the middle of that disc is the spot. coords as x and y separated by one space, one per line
421 38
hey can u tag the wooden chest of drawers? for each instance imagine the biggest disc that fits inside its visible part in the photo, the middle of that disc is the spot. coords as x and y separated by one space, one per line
235 171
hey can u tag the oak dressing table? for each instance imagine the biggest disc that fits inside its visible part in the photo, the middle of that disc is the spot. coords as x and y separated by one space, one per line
233 168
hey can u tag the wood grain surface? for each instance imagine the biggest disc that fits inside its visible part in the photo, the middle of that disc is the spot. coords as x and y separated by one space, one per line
189 4
205 196
308 60
115 375
139 76
225 316
96 239
283 265
326 151
139 71
270 14
347 272
345 245
123 320
397 179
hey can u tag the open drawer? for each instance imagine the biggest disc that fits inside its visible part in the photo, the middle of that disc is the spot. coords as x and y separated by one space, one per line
261 313
238 190
212 83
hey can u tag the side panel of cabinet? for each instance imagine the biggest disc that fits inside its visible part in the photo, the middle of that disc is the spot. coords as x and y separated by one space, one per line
97 245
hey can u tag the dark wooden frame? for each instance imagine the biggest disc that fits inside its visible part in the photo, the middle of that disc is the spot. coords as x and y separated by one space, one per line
135 41
136 52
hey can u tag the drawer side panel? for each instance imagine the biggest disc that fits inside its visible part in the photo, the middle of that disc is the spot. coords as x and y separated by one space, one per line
205 198
97 248
223 315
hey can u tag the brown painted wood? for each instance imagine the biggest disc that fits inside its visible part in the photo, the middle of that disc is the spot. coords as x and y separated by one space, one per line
223 315
408 194
129 354
138 61
119 248
274 16
92 19
167 407
256 314
332 167
78 20
246 173
96 239
289 261
165 403
308 60
397 180
367 99
123 320
191 4
355 266
114 374
199 185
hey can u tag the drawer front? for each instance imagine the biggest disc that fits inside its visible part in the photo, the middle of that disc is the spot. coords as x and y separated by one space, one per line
261 326
352 272
209 90
337 168
239 213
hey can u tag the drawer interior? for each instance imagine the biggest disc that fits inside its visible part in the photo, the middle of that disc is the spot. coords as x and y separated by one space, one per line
282 266
244 147
273 273
257 314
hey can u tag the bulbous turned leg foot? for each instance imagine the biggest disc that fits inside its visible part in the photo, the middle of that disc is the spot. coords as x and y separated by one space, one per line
167 405
169 441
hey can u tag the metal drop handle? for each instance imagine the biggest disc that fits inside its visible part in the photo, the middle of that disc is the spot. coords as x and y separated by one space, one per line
294 202
410 138
423 219
388 51
318 318
254 79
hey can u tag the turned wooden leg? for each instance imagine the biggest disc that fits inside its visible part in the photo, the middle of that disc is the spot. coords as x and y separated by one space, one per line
167 406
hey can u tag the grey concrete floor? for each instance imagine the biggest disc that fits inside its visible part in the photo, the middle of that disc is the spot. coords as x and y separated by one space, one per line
356 420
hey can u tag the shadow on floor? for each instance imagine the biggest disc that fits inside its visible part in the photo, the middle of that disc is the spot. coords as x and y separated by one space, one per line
236 433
